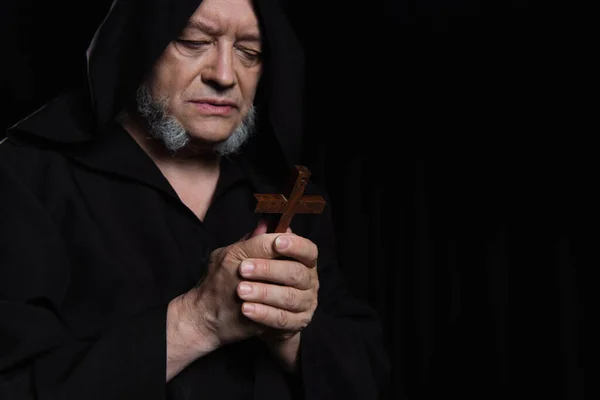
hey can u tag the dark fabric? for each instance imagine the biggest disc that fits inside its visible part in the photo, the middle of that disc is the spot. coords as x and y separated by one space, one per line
94 244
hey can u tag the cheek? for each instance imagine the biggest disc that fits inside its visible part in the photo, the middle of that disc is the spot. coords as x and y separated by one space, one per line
170 84
249 85
173 78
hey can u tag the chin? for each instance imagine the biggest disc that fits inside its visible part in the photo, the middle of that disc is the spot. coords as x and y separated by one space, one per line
209 131
211 137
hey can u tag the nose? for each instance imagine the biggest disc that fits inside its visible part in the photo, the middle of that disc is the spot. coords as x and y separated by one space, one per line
220 72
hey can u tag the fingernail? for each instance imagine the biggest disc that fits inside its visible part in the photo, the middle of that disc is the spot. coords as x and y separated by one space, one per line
247 267
245 288
282 242
248 308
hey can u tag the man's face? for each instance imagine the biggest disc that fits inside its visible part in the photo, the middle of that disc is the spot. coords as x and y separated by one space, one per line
208 76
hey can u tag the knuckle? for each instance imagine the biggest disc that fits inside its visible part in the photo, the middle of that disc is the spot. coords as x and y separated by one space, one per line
282 319
290 299
266 247
264 268
314 283
230 258
263 292
216 258
297 274
298 243
309 304
261 312
306 320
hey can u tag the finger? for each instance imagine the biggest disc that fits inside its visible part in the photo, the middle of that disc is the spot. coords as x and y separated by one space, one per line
283 297
268 246
298 248
250 325
275 317
261 227
258 246
283 272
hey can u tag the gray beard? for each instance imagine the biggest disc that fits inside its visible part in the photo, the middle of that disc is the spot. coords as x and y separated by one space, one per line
168 130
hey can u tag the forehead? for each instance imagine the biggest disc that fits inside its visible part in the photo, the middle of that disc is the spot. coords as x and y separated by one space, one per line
223 16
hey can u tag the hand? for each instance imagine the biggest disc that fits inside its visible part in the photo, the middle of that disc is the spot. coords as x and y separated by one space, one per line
282 293
284 299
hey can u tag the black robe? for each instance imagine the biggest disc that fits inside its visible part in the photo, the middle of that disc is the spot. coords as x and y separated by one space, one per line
94 242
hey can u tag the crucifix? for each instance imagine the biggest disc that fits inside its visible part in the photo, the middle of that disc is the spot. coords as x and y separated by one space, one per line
292 201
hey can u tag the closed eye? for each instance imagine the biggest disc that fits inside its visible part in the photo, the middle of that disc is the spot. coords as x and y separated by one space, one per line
251 56
193 44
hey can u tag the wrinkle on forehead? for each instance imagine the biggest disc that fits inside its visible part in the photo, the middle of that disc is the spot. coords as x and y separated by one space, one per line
218 17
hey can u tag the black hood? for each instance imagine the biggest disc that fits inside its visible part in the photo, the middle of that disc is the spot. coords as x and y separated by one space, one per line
128 43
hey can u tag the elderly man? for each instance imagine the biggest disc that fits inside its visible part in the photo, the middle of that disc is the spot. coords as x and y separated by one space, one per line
132 263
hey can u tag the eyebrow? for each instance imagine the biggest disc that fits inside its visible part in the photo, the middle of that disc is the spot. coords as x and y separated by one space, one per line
212 29
203 26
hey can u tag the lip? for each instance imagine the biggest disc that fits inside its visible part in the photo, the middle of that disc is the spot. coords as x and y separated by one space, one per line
216 102
211 106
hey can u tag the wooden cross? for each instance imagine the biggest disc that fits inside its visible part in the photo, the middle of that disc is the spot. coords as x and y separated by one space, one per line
291 202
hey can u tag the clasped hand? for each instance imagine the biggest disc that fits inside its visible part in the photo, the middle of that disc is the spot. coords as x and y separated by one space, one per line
264 285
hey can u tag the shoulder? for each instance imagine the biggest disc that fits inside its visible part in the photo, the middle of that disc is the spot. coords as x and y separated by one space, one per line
31 167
